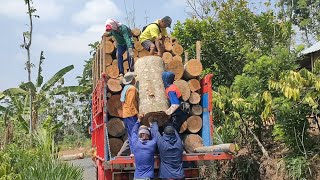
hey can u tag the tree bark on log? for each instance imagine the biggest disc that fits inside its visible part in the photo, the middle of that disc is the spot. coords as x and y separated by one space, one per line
194 85
108 47
217 148
115 106
194 98
152 96
177 68
116 127
196 110
115 145
183 88
191 142
167 57
192 69
194 124
112 71
114 85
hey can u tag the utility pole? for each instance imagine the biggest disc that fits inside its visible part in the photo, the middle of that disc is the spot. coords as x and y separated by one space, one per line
146 16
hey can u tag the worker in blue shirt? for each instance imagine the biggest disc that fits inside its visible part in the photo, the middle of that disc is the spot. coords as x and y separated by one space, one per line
170 149
178 116
144 147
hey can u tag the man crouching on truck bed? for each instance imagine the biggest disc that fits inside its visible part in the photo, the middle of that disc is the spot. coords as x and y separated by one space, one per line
129 99
144 148
177 106
171 150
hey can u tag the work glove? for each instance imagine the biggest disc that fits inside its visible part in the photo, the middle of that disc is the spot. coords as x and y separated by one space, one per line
131 53
172 109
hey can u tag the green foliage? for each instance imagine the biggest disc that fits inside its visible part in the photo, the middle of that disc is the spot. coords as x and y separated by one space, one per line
20 163
235 37
297 167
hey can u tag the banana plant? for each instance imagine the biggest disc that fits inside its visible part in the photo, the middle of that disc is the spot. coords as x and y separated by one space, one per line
41 91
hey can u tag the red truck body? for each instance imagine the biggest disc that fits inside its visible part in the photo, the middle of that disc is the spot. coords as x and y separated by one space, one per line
122 167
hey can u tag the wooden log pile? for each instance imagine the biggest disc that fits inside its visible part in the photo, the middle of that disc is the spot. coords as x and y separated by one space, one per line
187 78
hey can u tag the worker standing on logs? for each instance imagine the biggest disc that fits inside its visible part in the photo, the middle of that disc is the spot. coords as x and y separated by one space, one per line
170 150
178 116
153 33
144 148
129 99
123 36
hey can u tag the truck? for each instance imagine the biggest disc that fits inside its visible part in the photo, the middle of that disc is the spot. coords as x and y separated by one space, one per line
122 167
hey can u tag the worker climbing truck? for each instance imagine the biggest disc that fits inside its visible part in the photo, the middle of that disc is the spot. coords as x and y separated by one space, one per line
107 129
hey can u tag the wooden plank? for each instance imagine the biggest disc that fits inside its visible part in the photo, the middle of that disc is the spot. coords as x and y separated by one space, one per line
198 50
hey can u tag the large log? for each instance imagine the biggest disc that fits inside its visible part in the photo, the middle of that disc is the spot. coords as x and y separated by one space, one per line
183 88
191 142
192 69
152 96
108 47
114 85
194 98
107 59
114 106
176 67
177 49
167 46
167 57
194 85
116 127
115 145
112 71
194 124
135 32
217 148
138 46
196 110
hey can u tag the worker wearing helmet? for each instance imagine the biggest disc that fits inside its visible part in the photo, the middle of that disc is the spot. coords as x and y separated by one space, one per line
170 149
144 147
123 36
153 33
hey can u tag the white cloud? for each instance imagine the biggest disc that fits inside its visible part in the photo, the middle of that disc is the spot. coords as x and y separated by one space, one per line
96 11
75 43
14 9
47 10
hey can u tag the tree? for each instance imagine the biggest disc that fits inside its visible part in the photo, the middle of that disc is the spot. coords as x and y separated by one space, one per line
27 40
304 14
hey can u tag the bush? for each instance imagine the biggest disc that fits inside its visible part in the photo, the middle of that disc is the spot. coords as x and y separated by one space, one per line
18 163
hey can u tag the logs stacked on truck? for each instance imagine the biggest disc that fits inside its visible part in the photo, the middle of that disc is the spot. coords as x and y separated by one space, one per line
186 78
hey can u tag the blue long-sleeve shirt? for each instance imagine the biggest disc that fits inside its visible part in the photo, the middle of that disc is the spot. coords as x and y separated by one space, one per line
170 149
143 154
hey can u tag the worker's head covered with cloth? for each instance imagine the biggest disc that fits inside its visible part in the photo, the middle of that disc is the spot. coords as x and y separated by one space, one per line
144 133
112 24
167 78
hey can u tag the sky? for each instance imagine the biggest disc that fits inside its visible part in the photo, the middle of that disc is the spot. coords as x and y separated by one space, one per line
64 30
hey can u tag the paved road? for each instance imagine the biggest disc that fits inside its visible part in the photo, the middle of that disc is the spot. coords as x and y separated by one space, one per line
88 167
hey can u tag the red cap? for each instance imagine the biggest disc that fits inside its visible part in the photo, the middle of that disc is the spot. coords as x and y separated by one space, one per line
108 27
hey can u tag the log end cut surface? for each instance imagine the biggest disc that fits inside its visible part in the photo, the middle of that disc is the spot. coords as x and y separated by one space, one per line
191 142
176 67
115 106
194 124
115 145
